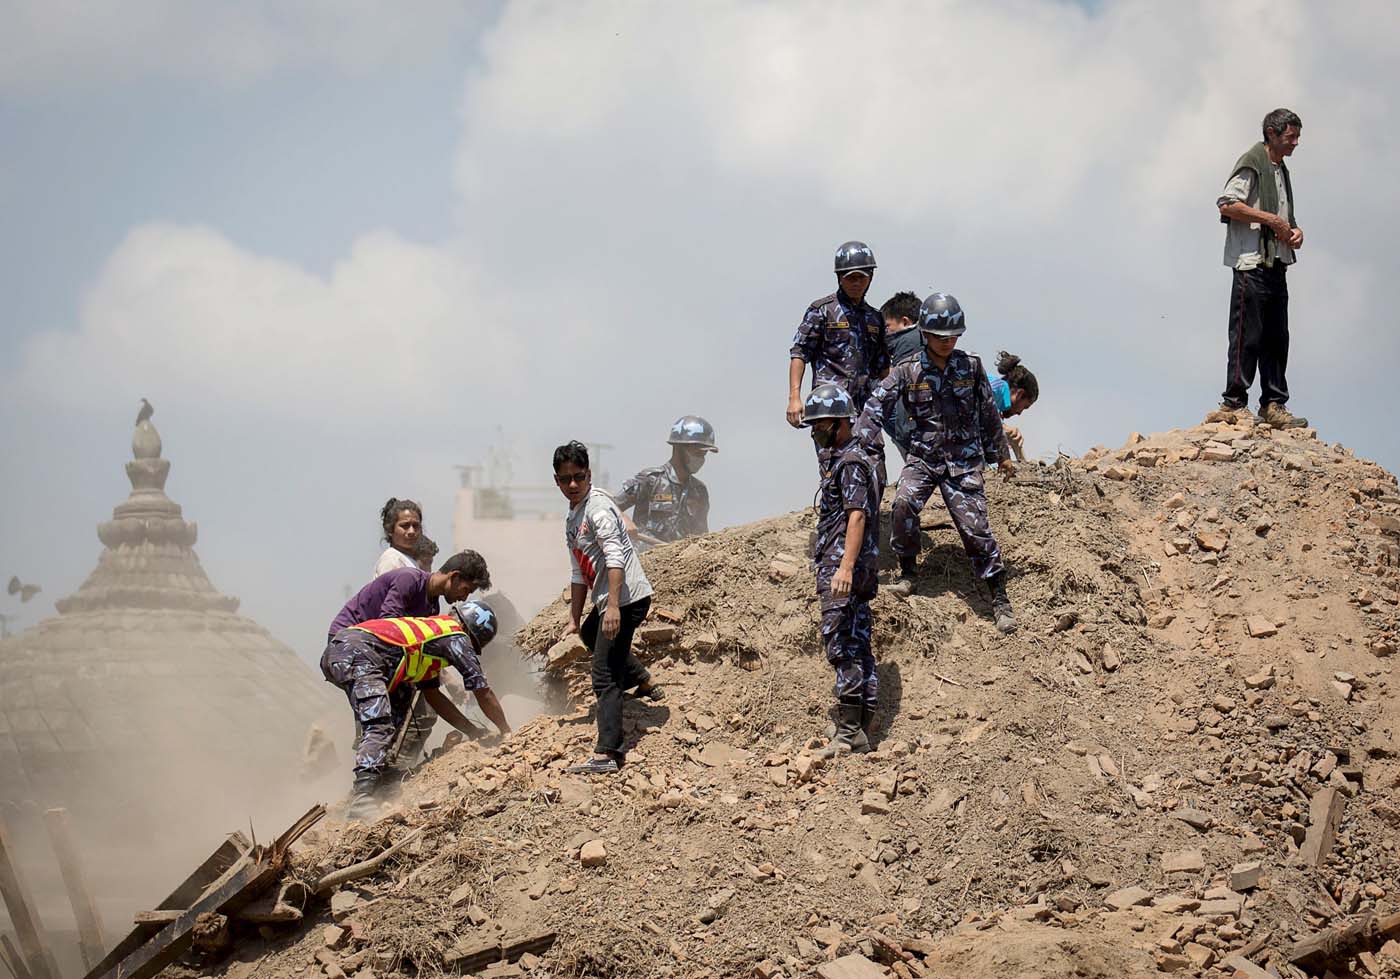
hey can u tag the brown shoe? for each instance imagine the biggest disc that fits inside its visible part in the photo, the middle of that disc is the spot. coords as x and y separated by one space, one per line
1276 415
1228 414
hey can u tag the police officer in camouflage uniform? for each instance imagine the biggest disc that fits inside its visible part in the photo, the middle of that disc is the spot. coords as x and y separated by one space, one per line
846 558
841 336
379 663
957 430
669 501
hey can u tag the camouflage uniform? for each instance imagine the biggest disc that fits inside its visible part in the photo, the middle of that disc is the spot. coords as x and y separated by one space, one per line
363 666
957 429
850 484
844 344
666 507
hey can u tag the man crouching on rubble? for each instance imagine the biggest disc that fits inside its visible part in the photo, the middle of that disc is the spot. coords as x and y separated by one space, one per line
380 662
847 556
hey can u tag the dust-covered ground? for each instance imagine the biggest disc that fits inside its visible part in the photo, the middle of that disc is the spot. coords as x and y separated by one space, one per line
1119 789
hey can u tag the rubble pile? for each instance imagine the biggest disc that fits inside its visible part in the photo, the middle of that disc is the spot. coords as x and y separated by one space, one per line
1184 762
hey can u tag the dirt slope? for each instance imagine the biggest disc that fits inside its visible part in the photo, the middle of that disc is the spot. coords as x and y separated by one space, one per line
1208 622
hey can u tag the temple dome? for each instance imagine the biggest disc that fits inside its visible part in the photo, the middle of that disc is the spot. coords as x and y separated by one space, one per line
148 706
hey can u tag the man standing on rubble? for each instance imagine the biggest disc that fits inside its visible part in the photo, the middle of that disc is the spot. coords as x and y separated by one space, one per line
669 501
846 556
841 336
604 561
1262 238
957 430
379 663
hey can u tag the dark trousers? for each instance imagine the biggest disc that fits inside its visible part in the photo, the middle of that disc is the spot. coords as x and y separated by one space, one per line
966 499
615 669
846 627
352 664
1258 336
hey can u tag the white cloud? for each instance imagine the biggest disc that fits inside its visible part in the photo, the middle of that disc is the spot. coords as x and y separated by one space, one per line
651 192
65 44
186 309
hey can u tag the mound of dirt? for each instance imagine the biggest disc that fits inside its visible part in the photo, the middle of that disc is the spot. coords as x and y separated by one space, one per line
1186 753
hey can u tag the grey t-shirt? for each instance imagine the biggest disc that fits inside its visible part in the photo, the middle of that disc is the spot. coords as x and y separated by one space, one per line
1242 238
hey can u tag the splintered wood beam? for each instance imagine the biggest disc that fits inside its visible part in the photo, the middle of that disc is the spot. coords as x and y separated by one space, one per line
1335 945
235 890
29 929
90 940
232 850
12 960
241 882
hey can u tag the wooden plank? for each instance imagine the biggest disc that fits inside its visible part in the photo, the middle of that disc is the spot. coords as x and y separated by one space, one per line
475 956
242 883
239 888
537 943
233 849
1336 945
269 911
1325 814
90 940
283 906
12 960
29 929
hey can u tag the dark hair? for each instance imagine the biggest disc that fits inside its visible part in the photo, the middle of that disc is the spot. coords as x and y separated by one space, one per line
575 452
425 550
1278 121
1017 375
902 305
389 515
468 564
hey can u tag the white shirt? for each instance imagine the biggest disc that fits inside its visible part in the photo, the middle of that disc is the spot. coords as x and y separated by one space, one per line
391 560
1241 237
596 541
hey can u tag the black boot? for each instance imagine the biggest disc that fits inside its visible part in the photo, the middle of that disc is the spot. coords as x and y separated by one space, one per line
903 586
364 797
1001 605
849 734
867 722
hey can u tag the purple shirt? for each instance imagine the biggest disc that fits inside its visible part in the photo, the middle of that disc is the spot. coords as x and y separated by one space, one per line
403 591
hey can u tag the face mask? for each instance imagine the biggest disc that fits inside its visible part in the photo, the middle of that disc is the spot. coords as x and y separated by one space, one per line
825 437
694 459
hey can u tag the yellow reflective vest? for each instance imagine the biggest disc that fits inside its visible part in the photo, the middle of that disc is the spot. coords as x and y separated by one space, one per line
413 635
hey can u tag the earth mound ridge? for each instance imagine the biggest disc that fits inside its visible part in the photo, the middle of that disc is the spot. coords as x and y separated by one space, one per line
1129 785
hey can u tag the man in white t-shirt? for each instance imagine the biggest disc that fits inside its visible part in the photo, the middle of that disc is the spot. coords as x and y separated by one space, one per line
604 561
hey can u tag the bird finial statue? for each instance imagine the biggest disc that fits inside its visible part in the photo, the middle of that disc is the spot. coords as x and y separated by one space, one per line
145 441
24 591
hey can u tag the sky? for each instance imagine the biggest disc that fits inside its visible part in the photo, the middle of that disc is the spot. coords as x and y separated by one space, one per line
346 247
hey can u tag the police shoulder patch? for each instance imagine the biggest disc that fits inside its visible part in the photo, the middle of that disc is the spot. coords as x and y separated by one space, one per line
819 303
